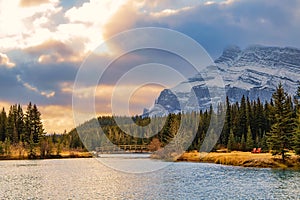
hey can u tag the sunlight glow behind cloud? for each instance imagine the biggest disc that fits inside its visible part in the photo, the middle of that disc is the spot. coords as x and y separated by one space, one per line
4 60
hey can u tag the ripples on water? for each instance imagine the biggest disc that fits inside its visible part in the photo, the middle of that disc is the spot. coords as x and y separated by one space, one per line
89 179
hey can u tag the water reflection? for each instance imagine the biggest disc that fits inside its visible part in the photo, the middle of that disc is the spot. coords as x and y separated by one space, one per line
89 179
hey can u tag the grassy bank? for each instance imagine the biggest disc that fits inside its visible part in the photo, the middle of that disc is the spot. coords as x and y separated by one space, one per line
71 154
244 159
22 154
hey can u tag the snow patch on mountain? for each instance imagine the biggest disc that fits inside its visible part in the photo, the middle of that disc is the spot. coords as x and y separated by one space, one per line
254 72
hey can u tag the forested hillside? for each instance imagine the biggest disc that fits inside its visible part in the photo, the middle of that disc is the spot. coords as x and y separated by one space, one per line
270 125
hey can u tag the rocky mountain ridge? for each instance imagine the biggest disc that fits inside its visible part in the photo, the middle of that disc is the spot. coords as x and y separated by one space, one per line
254 72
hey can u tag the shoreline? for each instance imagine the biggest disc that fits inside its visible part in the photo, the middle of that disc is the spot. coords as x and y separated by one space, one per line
65 155
235 158
242 159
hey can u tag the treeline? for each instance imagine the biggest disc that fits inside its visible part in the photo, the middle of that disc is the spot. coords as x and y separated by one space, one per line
21 127
273 125
23 132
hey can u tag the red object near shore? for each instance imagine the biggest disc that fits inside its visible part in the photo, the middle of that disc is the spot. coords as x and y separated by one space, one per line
258 150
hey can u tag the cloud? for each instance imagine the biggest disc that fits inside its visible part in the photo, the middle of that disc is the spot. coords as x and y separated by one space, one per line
143 97
106 99
57 118
38 82
94 12
26 3
47 94
217 24
92 15
5 61
114 25
53 51
21 27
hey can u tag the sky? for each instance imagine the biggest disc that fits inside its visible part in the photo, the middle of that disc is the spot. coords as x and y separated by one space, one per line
44 42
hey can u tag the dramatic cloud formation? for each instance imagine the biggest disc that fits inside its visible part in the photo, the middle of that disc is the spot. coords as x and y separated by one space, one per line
5 61
44 42
218 24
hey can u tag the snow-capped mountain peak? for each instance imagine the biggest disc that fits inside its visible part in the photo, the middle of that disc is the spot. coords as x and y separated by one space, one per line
254 72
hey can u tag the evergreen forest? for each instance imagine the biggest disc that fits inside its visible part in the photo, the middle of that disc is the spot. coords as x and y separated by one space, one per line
272 125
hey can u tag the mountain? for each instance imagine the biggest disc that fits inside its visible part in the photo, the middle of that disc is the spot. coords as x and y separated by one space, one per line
254 72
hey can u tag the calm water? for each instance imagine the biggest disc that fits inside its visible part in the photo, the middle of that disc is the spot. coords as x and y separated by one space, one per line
89 179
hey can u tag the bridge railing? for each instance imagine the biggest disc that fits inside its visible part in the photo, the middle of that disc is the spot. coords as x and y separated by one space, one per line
123 149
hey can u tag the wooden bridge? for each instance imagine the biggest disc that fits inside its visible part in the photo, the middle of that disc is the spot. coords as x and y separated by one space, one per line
123 149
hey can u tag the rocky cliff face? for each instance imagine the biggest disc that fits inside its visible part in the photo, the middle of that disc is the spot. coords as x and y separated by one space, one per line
254 72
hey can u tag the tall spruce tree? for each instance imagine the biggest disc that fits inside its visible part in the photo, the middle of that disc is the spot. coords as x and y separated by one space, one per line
3 125
243 117
33 127
38 131
11 125
231 141
28 135
19 115
280 137
227 123
296 136
260 119
243 143
249 140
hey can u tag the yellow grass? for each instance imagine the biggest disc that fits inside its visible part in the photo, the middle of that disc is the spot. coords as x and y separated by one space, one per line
245 159
19 153
75 154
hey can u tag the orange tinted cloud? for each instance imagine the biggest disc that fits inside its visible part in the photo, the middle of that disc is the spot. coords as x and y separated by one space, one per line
52 51
57 118
142 97
122 20
27 3
4 60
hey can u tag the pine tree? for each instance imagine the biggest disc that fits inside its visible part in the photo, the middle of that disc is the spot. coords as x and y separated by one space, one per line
3 125
254 122
227 123
296 135
7 146
260 118
27 129
19 122
11 125
243 143
280 137
235 120
263 143
249 140
231 141
267 121
38 131
243 116
248 111
33 127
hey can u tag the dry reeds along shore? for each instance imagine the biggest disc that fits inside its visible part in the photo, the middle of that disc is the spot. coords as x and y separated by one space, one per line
17 153
245 159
